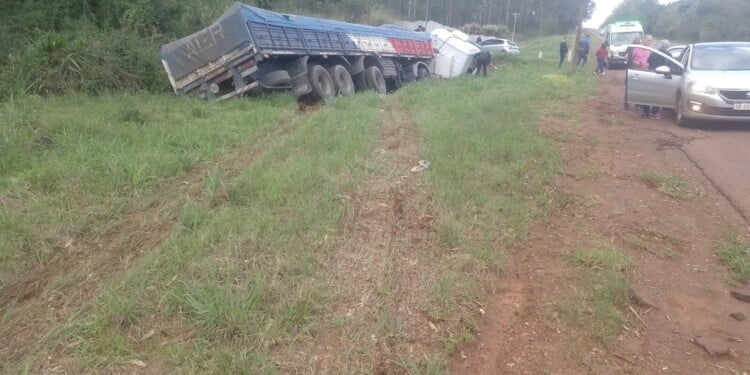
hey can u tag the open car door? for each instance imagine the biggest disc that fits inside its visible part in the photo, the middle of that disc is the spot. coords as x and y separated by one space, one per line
656 86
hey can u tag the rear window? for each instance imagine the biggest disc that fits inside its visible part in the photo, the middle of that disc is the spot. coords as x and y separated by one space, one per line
721 57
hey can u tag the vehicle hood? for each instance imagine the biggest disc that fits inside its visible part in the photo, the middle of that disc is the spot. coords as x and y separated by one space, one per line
722 79
618 47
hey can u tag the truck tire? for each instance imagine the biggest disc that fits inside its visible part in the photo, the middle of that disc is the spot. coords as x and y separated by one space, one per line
423 73
321 83
342 80
375 80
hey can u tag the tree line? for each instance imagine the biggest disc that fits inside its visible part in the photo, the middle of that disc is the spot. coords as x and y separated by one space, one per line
689 20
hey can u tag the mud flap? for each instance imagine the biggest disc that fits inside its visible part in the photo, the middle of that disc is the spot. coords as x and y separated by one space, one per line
298 71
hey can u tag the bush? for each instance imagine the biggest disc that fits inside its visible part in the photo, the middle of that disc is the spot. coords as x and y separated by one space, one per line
88 61
489 29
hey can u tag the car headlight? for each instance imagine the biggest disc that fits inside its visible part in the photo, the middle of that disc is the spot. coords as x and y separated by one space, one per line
701 88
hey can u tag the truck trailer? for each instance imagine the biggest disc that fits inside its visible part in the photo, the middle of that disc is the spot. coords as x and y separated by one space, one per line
249 48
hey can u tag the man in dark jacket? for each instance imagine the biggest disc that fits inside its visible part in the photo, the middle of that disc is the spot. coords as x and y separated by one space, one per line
583 50
656 60
563 50
481 60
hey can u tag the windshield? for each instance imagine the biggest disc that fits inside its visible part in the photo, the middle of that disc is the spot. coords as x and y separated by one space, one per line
624 38
721 57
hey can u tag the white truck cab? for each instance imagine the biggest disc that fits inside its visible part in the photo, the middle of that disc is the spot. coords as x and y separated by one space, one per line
618 36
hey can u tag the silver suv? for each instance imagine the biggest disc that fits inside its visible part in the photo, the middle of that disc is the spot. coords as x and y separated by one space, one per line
499 46
710 82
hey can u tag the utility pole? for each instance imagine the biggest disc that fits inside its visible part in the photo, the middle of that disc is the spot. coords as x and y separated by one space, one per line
507 13
541 16
581 15
515 19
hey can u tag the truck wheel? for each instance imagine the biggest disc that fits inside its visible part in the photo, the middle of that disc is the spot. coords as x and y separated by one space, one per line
423 73
320 82
374 79
342 81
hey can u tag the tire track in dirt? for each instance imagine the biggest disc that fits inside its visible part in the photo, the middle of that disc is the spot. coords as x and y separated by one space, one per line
30 314
373 270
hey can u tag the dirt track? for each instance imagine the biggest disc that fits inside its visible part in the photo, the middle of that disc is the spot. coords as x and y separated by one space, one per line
680 290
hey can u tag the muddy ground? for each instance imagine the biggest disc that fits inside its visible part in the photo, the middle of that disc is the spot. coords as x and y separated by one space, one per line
680 291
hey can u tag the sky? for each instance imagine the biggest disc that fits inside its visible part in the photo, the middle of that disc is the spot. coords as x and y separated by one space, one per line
604 8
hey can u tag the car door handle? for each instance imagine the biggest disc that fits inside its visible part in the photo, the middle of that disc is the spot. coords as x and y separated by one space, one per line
635 76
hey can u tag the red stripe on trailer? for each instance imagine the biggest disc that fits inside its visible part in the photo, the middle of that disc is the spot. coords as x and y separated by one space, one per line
412 47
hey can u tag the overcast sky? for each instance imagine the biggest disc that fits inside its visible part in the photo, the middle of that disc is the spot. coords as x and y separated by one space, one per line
605 7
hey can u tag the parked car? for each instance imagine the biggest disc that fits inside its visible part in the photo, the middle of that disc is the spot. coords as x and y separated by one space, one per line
499 46
676 51
710 82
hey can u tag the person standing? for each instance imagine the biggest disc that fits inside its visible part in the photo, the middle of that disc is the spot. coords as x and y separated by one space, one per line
482 59
563 50
654 61
583 50
601 59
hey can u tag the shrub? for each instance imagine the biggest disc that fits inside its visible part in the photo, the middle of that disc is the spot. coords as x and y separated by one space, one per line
489 29
88 61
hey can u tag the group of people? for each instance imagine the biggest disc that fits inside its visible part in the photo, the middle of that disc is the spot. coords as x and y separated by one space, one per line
584 47
642 59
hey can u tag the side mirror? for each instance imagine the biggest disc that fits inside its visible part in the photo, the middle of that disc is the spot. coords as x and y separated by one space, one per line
663 70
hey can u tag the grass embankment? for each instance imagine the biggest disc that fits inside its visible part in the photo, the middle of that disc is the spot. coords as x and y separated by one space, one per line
239 283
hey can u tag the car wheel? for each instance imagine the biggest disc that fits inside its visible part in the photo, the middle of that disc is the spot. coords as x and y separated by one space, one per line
321 83
374 79
679 113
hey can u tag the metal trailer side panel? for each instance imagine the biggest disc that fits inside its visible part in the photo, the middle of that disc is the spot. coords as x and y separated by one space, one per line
276 33
194 51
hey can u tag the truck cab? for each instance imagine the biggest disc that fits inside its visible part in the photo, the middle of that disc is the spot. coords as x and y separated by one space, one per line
618 36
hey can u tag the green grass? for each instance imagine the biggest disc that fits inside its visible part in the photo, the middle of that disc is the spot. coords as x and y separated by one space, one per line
241 283
734 251
672 185
243 274
69 164
606 291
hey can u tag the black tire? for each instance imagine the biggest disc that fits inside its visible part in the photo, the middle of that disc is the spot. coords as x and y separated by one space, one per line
423 73
321 83
394 83
359 82
342 81
375 80
679 114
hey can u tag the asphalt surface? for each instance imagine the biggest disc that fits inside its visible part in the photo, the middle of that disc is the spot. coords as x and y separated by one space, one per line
722 152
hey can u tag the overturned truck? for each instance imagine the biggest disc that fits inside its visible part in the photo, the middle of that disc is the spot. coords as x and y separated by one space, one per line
249 48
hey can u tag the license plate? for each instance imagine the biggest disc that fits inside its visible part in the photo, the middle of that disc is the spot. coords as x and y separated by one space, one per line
742 106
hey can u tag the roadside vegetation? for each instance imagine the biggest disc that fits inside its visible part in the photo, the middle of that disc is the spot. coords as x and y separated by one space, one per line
212 230
671 185
606 292
733 249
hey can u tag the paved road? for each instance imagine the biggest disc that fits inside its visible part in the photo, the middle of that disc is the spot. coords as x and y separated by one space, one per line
722 151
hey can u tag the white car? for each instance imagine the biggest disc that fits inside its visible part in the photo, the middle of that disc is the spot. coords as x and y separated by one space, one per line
499 46
710 82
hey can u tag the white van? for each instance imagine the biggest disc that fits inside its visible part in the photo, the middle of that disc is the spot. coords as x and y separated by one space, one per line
618 36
